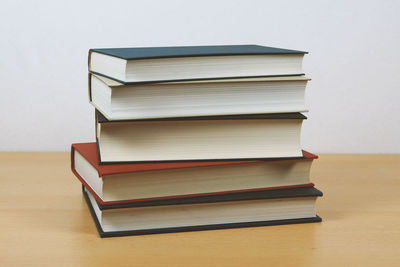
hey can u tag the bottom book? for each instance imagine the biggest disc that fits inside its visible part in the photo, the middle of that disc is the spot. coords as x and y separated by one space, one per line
248 209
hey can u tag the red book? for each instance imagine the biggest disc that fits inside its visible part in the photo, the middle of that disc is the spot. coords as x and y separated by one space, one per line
125 183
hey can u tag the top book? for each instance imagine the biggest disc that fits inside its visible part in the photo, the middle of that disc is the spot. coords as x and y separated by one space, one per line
186 63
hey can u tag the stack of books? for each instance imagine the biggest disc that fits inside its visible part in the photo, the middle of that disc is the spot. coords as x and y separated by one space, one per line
196 138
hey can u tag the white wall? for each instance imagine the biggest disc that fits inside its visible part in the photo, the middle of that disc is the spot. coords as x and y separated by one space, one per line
354 97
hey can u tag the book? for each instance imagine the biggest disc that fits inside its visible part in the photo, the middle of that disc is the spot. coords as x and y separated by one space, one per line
117 101
233 137
138 182
156 64
285 206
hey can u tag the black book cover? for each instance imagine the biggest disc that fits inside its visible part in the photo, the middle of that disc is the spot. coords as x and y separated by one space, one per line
301 193
100 118
196 79
250 195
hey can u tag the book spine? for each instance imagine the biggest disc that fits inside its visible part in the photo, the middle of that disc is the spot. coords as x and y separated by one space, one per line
89 60
90 87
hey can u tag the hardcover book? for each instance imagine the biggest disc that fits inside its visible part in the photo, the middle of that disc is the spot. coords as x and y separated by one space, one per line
240 137
138 182
285 206
158 64
117 101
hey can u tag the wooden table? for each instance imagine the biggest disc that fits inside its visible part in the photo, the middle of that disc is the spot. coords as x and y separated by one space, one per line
45 222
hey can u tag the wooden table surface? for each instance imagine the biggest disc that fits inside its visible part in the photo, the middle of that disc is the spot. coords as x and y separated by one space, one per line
44 221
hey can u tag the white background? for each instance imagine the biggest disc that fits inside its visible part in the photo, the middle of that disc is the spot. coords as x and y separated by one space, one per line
354 61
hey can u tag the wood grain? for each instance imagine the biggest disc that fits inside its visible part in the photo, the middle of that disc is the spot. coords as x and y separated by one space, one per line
45 222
